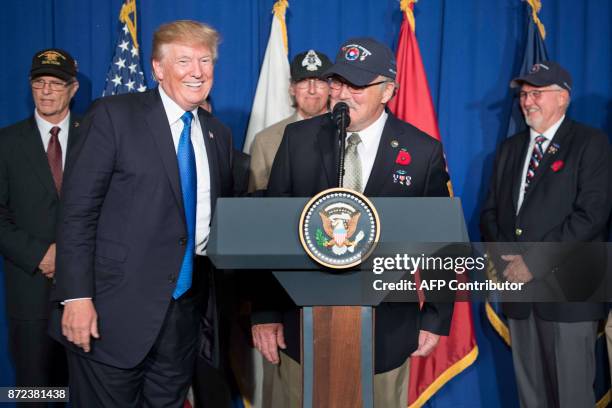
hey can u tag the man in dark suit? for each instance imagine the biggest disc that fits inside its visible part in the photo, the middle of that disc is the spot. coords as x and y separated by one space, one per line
363 77
33 154
551 184
135 221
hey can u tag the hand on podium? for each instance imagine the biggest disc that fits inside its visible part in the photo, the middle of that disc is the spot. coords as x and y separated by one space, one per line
267 338
427 342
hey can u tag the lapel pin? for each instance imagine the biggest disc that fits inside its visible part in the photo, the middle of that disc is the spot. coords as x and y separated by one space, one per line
394 143
210 135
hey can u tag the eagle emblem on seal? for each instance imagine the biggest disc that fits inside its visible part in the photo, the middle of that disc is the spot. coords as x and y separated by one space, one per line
340 223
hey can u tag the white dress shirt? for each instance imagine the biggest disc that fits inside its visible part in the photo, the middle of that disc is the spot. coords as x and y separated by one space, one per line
203 204
367 149
44 127
548 134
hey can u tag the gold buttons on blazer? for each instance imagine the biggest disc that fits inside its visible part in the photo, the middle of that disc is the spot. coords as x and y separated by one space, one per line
518 232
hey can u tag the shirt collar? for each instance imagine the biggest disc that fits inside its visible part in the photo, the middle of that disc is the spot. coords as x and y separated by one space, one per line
173 110
372 133
45 126
548 133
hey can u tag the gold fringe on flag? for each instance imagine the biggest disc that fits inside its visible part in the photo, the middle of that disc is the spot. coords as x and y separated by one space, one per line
536 6
279 9
405 7
129 7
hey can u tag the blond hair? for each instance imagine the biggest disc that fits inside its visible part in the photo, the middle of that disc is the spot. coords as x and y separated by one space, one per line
186 32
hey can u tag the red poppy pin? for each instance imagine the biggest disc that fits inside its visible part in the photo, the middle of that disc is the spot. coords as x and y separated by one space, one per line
403 158
557 165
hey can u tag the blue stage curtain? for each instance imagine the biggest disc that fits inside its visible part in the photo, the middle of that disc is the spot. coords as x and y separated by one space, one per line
470 50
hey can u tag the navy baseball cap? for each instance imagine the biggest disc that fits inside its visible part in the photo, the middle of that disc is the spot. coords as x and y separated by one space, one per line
361 60
309 64
544 74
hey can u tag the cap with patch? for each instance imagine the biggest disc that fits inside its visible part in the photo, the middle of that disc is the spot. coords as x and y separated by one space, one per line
361 60
544 74
309 64
54 62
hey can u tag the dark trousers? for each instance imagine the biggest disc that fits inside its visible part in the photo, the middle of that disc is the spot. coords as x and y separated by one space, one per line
160 380
39 360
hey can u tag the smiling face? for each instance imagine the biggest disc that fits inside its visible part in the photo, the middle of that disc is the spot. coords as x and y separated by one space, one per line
543 106
311 95
185 72
52 105
366 104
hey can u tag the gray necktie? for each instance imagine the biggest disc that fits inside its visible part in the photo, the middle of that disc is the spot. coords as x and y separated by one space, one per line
352 164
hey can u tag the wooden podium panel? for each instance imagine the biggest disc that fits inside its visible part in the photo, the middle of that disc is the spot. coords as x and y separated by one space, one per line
337 356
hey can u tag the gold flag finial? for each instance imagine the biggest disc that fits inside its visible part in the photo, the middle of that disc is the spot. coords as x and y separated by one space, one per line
128 8
279 9
405 7
536 6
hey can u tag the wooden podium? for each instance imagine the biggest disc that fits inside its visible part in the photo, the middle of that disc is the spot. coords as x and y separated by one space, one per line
337 315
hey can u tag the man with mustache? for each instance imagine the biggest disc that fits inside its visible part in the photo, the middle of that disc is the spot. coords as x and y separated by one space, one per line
551 183
363 77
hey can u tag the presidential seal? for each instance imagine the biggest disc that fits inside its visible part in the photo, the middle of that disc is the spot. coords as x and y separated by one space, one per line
339 228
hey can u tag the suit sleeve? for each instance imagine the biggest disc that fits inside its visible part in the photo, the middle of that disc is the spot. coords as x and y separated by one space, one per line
591 213
279 184
16 245
437 177
85 188
488 214
258 178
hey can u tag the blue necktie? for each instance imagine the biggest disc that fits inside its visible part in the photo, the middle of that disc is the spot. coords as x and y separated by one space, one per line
187 171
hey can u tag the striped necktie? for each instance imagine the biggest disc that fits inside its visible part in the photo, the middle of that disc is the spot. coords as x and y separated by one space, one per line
536 157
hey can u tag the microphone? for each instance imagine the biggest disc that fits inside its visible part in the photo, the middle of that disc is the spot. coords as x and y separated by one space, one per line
341 116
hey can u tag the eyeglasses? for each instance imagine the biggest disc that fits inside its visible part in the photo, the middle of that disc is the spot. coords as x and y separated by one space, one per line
56 86
535 94
305 83
336 84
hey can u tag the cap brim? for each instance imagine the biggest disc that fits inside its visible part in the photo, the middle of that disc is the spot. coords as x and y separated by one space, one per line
352 74
528 79
51 72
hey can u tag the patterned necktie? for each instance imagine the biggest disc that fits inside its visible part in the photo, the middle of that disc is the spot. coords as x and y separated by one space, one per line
536 157
352 164
187 171
54 156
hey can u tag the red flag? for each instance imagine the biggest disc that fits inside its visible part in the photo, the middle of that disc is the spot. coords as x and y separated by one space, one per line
413 104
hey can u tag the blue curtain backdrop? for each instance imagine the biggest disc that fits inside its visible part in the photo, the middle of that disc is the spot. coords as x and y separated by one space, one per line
471 49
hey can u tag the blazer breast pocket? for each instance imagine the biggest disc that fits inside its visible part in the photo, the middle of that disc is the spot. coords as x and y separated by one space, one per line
109 265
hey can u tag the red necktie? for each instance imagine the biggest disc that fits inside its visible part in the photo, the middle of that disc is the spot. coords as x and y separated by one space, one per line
54 156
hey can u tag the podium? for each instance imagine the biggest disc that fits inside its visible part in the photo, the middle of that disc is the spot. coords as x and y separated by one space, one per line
337 324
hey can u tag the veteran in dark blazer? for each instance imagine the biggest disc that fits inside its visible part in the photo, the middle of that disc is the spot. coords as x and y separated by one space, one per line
379 149
33 155
136 214
551 184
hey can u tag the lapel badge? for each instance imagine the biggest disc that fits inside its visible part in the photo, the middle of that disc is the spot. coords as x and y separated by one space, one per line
210 135
77 124
553 148
403 157
400 177
394 143
557 165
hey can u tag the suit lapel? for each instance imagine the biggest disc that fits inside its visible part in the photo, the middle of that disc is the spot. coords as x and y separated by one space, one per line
385 158
34 150
213 158
329 149
157 121
559 141
517 167
72 138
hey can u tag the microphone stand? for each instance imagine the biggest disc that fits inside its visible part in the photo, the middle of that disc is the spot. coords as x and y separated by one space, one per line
342 136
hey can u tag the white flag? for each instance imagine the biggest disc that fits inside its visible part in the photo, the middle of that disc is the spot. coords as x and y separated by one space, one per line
272 102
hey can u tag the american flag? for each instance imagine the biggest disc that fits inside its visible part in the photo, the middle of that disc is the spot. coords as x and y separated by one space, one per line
125 72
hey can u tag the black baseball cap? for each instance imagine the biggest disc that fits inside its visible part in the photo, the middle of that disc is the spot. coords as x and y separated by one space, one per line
54 62
544 74
309 64
361 60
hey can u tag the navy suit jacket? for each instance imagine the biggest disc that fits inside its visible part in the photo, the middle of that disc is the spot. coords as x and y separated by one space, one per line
122 235
568 201
306 163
